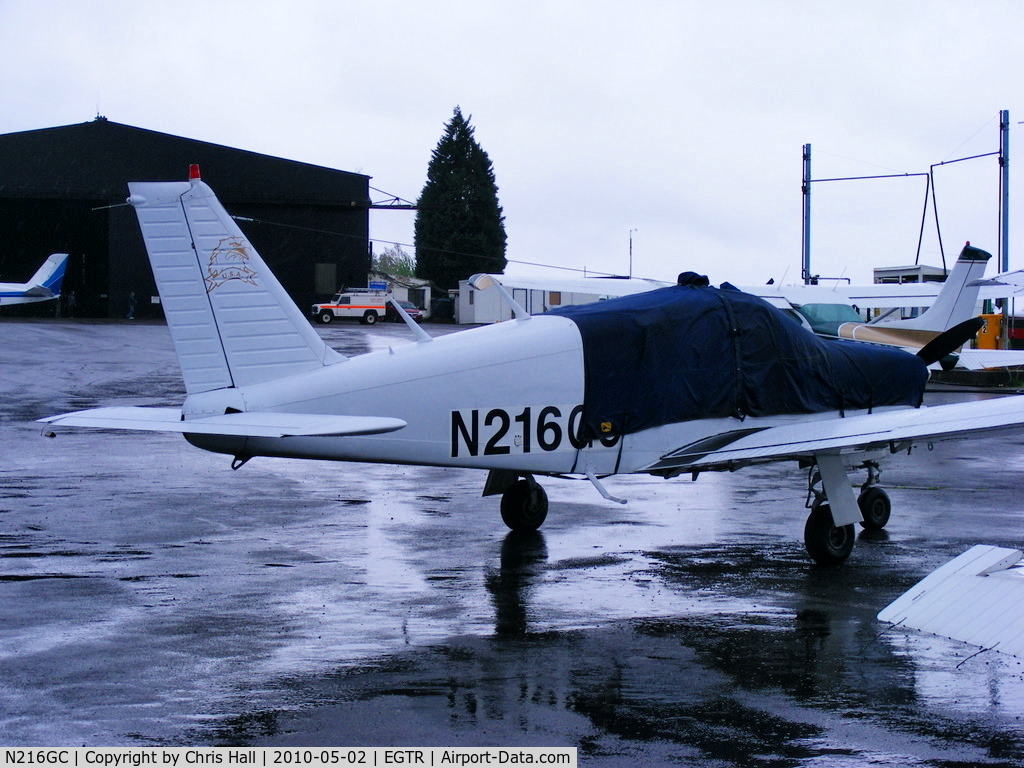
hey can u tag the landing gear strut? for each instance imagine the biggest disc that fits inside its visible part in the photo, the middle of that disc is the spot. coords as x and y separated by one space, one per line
524 505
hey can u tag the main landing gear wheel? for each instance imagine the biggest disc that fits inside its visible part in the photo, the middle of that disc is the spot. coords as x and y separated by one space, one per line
875 507
524 506
827 543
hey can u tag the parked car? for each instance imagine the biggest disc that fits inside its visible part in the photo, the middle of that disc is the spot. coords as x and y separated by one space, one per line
442 310
410 309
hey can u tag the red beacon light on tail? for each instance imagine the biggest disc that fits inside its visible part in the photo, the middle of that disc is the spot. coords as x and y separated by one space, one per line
193 172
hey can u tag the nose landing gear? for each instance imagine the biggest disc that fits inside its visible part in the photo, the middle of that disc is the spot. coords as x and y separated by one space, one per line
873 501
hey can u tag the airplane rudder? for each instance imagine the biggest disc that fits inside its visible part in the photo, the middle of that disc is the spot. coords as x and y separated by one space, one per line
180 283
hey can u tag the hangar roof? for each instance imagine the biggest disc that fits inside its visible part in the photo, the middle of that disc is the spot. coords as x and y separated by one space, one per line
95 160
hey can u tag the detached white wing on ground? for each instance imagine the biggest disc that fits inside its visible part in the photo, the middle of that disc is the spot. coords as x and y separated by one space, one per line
977 598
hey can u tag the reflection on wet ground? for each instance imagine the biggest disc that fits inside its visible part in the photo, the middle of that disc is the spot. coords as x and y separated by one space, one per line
785 686
150 595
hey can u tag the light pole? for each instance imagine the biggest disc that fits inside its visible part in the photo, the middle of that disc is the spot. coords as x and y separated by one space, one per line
631 252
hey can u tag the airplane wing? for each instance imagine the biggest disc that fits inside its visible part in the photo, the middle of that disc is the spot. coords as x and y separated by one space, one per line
975 598
252 424
1011 282
806 439
981 359
875 296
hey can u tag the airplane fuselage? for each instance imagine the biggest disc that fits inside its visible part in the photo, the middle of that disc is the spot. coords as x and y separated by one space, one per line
22 293
506 396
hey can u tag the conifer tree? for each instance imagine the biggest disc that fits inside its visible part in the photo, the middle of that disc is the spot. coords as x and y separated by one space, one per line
460 229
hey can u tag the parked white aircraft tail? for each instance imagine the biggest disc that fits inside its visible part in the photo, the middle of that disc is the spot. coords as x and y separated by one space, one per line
43 286
958 299
955 304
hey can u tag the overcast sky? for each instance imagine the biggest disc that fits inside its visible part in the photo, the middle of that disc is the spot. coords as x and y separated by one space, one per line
682 122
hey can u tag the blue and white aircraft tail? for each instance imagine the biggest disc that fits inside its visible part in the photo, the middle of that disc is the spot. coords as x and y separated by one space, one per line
43 286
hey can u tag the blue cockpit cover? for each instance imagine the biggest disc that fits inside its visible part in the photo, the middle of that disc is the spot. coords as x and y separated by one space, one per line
690 352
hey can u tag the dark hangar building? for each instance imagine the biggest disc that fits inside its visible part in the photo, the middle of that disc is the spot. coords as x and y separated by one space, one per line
61 191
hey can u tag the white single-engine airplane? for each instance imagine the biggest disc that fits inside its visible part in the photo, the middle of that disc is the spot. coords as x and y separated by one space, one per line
954 304
44 285
680 380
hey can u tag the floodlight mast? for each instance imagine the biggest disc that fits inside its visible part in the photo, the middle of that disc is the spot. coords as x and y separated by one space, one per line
1004 198
805 240
1004 190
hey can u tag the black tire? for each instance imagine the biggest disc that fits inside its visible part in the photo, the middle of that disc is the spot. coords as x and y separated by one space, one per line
326 316
827 543
370 317
875 507
524 506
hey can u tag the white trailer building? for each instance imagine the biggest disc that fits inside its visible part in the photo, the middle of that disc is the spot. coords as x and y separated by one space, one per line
538 294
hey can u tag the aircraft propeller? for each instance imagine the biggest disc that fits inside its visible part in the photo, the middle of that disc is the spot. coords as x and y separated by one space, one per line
950 340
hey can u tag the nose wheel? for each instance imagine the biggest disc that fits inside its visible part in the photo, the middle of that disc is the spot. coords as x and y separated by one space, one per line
873 501
875 507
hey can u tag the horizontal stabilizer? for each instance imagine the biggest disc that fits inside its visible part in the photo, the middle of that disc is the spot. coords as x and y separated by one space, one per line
980 359
974 598
38 292
252 424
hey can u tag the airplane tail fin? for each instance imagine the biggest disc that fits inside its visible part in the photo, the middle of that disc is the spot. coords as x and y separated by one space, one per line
958 299
231 321
51 274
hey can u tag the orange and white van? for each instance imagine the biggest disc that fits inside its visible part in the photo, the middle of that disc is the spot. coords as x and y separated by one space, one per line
365 304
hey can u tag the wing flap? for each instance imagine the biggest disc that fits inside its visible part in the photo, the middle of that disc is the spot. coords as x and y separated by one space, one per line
862 432
250 424
980 359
